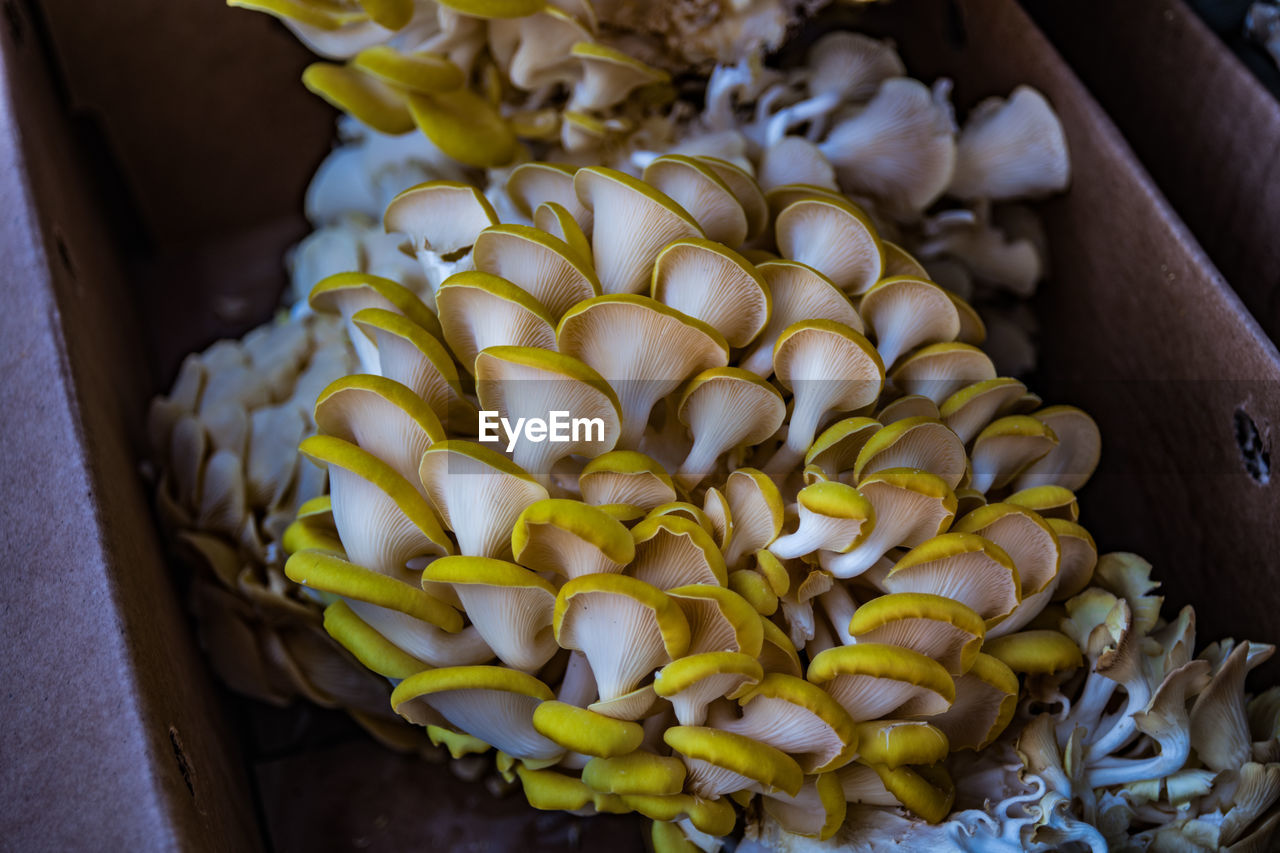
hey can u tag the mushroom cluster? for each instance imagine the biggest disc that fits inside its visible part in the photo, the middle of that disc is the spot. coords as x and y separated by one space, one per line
794 562
474 76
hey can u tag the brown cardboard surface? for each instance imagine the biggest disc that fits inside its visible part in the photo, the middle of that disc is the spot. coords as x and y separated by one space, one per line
1137 326
109 733
1198 119
201 106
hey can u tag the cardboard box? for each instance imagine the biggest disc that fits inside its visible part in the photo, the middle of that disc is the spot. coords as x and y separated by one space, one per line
113 736
1199 120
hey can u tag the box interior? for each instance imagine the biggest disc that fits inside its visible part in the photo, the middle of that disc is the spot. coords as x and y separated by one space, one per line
164 161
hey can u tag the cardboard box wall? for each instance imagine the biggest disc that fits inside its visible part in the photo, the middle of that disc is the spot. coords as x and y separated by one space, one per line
113 736
1199 120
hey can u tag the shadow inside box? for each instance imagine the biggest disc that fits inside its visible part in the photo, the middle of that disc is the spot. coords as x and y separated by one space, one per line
325 785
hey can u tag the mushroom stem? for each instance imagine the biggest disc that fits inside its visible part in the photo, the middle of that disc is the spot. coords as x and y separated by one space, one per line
840 607
578 687
807 110
811 403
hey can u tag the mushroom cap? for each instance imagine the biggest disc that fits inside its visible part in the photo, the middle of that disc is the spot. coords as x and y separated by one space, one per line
871 679
836 449
910 506
778 654
479 310
1072 461
441 216
818 811
898 261
692 682
972 570
986 698
696 187
909 406
673 551
834 516
798 293
939 370
1047 502
534 51
626 628
550 790
795 161
724 408
374 651
1079 557
479 493
1011 148
584 731
721 762
939 628
546 268
894 743
380 416
1026 537
464 126
509 605
851 65
719 619
494 8
632 222
642 348
925 791
922 443
492 703
755 588
714 817
556 220
813 353
899 149
745 190
361 95
626 477
1037 652
799 718
571 539
609 75
974 406
531 184
906 312
757 514
714 284
348 292
382 519
638 772
1005 447
339 577
528 383
836 238
972 329
412 356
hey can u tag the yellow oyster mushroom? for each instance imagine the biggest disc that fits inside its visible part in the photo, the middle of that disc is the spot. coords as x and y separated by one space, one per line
986 698
939 628
1006 447
835 237
722 762
465 126
509 605
532 184
1031 543
725 408
920 443
895 743
907 406
829 368
937 371
972 570
719 619
417 72
745 189
639 772
491 703
642 348
870 680
1071 462
714 284
836 449
625 627
817 811
693 682
799 718
672 551
584 731
626 478
967 411
360 94
479 493
909 506
833 517
798 293
1038 652
756 512
479 310
570 539
632 223
608 76
926 791
568 407
545 267
347 293
556 220
696 187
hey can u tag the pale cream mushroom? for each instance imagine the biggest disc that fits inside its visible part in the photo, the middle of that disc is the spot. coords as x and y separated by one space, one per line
479 310
904 313
724 408
1011 148
543 266
714 284
798 293
835 237
699 190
